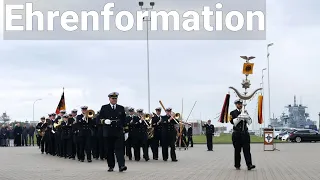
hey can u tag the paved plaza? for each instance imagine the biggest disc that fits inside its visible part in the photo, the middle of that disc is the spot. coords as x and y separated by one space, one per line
292 162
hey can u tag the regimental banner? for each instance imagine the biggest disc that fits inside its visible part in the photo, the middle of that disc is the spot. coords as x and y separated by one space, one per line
268 139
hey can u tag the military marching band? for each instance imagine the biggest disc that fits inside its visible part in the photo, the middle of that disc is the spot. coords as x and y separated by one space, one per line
108 134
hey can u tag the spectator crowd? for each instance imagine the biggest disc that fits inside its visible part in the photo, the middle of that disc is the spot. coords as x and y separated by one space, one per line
17 135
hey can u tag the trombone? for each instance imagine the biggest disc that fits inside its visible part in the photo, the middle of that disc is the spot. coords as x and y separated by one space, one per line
174 116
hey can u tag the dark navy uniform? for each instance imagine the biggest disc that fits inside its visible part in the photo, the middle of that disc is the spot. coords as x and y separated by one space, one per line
190 134
57 137
169 134
95 138
84 134
129 128
113 117
156 136
240 139
209 134
66 137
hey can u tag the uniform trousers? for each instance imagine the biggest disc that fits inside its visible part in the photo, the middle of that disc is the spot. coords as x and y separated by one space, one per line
95 146
66 144
39 140
155 147
137 144
241 140
209 141
102 147
128 144
190 141
85 146
115 146
168 141
58 142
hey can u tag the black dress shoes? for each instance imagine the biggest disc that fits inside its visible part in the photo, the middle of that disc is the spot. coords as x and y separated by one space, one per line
174 160
251 167
89 160
123 168
110 169
237 168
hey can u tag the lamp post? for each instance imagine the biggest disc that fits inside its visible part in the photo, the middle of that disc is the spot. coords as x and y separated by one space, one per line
147 20
33 108
264 121
269 94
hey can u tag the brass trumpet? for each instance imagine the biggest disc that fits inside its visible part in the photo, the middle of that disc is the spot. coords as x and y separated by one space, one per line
90 114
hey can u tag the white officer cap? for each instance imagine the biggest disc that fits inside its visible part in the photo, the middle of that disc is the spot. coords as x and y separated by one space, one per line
113 95
238 101
63 111
74 110
169 109
84 107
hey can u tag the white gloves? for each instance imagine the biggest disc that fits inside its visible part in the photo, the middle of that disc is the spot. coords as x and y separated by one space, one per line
140 121
236 121
53 131
107 121
126 135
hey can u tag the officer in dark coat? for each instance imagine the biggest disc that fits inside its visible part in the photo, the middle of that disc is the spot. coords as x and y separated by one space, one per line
41 127
66 136
51 134
113 117
95 137
169 134
129 129
84 125
141 137
157 133
58 132
74 136
240 136
209 134
190 134
102 140
17 134
31 131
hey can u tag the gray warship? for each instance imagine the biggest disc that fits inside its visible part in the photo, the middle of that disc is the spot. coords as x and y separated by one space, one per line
296 118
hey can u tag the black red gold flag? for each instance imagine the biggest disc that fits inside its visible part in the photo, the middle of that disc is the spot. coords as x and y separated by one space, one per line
224 116
62 104
260 102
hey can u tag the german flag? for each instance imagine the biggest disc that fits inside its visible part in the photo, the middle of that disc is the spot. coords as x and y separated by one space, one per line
62 104
260 102
224 116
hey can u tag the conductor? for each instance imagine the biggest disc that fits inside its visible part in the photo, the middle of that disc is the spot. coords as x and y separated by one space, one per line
240 136
113 117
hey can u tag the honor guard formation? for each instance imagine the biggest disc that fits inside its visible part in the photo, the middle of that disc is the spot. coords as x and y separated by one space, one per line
111 134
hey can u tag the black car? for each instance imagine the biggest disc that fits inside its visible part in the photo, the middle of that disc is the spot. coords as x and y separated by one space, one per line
304 135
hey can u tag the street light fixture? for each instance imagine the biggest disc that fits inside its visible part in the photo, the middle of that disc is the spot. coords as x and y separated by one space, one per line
269 94
33 108
147 20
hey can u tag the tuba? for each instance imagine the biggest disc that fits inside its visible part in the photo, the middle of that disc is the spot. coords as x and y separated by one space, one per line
55 125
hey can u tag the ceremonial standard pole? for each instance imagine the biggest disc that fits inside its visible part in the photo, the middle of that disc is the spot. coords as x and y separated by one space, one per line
264 119
269 94
33 108
147 20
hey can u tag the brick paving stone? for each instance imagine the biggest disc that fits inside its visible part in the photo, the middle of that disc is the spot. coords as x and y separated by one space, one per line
293 162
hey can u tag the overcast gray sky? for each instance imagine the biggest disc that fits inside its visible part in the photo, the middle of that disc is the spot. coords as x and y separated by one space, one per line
193 70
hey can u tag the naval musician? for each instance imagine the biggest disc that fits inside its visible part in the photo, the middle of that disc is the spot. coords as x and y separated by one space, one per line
240 136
